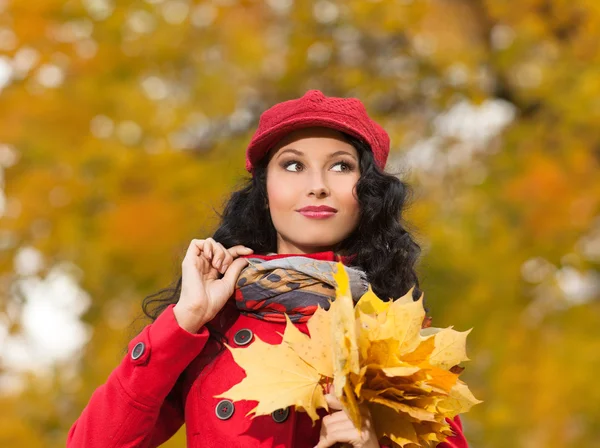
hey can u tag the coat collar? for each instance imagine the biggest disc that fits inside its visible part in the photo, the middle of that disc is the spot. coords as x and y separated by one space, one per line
324 256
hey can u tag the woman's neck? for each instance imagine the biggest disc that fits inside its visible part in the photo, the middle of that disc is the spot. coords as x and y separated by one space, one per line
289 248
325 256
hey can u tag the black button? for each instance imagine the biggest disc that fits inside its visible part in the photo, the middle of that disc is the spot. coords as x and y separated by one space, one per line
243 336
224 409
138 350
280 415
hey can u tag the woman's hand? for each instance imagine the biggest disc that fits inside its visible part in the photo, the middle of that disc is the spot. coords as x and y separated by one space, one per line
203 291
337 427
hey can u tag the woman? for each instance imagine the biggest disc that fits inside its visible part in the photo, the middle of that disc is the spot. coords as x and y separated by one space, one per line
317 194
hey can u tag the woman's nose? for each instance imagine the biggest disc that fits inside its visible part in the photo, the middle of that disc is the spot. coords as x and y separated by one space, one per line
318 186
320 192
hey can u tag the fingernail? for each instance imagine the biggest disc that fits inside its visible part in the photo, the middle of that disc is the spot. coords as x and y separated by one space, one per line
218 264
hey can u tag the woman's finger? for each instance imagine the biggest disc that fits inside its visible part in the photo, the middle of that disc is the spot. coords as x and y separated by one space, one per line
336 416
330 439
208 249
233 253
194 249
226 262
343 436
233 272
205 267
219 256
333 402
194 259
325 442
238 250
337 427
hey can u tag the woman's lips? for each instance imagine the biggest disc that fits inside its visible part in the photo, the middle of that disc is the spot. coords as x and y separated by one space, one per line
316 215
321 212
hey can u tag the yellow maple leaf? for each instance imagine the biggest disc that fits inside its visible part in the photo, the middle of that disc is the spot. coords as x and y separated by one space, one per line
450 348
459 400
342 329
345 346
280 379
422 353
316 350
407 372
378 356
369 303
386 423
404 320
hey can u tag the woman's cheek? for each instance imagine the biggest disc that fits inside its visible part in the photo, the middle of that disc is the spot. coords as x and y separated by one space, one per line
280 201
351 204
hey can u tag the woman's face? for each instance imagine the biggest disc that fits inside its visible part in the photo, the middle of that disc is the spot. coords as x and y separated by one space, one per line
311 179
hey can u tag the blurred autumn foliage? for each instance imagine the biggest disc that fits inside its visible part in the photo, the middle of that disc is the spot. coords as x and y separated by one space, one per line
123 127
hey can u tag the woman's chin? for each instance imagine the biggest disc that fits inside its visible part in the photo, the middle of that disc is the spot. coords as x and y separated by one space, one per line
316 245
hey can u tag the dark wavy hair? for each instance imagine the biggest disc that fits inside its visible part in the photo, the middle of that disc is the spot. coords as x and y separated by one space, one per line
383 247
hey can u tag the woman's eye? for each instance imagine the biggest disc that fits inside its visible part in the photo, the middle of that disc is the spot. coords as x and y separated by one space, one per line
293 166
341 167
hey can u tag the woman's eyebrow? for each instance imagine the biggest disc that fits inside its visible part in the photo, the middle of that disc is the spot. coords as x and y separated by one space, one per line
341 153
292 150
330 156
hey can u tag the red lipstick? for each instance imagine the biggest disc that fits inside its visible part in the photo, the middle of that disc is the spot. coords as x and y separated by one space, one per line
317 211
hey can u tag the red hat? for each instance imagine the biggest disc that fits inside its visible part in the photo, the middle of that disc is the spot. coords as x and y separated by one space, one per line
315 109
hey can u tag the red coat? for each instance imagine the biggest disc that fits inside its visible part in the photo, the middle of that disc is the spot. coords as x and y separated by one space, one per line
162 383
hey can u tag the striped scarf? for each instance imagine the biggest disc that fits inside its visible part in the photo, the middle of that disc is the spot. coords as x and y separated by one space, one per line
295 285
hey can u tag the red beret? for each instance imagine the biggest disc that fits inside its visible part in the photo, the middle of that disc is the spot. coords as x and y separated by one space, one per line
315 109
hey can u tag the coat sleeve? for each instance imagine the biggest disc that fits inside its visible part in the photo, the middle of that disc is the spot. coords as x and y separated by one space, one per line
140 405
458 439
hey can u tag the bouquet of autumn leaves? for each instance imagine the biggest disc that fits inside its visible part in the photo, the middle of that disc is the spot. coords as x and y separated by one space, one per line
376 354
